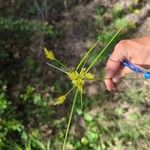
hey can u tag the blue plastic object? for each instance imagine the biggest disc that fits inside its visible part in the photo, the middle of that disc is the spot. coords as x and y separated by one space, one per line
136 69
147 75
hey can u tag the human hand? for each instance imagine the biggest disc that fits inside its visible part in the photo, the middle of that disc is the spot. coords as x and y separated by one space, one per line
136 51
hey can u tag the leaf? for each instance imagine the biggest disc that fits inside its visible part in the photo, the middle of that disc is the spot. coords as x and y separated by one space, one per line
134 116
28 145
119 111
37 143
88 117
92 136
48 145
84 140
37 98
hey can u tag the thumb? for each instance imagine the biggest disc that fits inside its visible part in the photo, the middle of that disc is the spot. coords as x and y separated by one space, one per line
113 65
114 62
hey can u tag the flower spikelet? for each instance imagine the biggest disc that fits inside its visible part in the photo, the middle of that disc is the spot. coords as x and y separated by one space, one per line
60 100
89 76
73 75
76 79
86 75
49 54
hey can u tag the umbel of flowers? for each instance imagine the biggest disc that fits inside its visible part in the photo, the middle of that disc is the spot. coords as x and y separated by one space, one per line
77 78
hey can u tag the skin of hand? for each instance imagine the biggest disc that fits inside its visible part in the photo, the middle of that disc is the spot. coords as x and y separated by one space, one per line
136 51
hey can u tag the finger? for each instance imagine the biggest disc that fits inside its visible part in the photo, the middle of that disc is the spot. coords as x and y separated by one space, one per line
109 84
113 63
116 78
111 74
112 67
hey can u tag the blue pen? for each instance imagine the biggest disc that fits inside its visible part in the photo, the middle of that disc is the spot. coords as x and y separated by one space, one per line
136 69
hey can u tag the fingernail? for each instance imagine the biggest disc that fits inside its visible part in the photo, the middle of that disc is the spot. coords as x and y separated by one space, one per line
116 79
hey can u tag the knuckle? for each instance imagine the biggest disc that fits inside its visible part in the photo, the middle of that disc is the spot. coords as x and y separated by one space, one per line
121 44
121 48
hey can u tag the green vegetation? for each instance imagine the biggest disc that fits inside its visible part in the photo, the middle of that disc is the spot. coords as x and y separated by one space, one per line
99 120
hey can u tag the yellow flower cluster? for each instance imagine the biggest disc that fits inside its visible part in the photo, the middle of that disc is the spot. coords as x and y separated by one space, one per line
78 79
49 54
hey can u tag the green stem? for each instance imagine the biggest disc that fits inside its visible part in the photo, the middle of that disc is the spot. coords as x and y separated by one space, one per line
70 118
56 67
85 56
83 66
104 49
81 100
70 90
96 79
60 63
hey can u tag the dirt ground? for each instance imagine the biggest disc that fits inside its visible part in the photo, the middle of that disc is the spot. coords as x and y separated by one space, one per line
79 28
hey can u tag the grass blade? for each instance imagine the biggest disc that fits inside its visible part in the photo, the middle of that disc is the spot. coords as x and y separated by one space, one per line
86 55
104 49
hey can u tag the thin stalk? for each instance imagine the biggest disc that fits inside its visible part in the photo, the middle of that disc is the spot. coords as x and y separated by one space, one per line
126 78
83 66
70 90
96 79
61 63
56 67
104 49
81 99
85 56
70 118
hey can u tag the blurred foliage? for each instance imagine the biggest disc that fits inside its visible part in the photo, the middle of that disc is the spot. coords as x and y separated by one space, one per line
26 26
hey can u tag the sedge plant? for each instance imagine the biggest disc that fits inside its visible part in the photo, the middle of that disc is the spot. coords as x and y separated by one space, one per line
78 77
